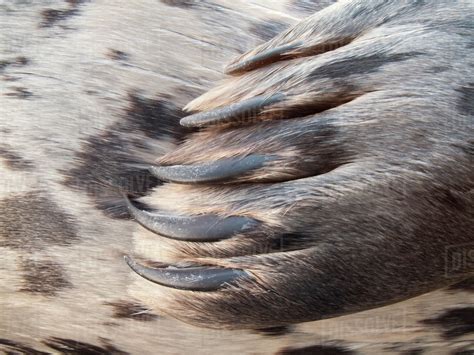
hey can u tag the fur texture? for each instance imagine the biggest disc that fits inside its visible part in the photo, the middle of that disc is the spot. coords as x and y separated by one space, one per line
90 95
370 181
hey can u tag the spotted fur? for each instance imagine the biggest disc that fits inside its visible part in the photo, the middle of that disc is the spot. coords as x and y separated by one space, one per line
90 95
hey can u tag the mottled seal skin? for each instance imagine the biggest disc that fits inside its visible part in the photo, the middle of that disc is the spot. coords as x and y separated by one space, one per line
363 114
91 95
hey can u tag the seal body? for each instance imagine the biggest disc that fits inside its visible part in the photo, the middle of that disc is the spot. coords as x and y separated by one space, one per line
91 96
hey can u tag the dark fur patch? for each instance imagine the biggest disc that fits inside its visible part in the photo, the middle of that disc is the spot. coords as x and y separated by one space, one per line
465 103
115 54
268 30
132 310
417 351
9 347
73 347
51 17
360 65
4 64
156 118
20 92
286 242
21 61
76 2
32 222
43 277
454 322
18 62
466 285
14 161
437 69
109 164
180 3
404 348
274 331
465 351
316 349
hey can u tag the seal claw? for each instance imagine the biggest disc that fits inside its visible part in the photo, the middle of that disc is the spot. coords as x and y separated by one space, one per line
202 228
262 59
190 279
217 171
236 112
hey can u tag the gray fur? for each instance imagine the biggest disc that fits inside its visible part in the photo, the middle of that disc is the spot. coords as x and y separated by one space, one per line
375 190
105 80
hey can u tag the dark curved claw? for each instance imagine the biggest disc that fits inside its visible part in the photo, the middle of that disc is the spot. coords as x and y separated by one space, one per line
259 60
191 279
233 113
204 228
219 170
